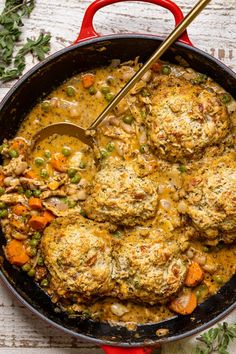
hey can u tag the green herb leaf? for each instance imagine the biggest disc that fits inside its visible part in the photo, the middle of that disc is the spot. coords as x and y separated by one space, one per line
11 21
216 340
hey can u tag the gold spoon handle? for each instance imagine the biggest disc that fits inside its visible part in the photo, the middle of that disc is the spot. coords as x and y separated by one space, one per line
173 36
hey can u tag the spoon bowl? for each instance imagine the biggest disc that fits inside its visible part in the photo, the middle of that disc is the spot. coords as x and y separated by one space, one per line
63 129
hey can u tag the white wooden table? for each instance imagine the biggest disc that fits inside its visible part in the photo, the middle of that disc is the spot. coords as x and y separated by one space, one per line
214 31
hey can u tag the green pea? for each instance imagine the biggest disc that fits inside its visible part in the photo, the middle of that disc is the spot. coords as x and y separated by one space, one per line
117 233
44 173
3 146
105 89
200 79
32 252
28 193
82 212
71 172
182 168
166 70
206 249
37 235
37 192
26 267
92 90
75 179
40 261
31 272
44 282
142 149
110 80
3 213
145 93
21 190
225 98
110 147
2 205
128 119
66 151
82 165
45 105
47 154
104 154
39 161
109 97
2 190
71 203
70 91
33 242
13 153
201 291
218 279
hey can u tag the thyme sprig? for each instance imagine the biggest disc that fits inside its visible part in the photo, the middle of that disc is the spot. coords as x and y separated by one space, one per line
216 340
11 21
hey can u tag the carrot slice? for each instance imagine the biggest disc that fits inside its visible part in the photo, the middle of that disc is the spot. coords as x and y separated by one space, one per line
19 209
156 67
48 216
184 304
35 203
2 176
20 145
38 222
58 162
194 275
16 253
87 80
30 174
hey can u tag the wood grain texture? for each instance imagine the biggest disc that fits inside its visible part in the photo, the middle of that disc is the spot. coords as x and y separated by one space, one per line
214 32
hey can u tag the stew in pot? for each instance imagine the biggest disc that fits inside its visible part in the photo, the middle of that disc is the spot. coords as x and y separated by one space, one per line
144 224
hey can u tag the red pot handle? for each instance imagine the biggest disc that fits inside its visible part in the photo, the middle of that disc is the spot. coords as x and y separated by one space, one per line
87 30
119 350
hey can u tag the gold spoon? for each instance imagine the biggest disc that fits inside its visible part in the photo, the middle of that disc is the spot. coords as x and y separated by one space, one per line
83 134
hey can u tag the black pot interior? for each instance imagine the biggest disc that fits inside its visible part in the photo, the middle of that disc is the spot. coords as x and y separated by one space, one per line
38 83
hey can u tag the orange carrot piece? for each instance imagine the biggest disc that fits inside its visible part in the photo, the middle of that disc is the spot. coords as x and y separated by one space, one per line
35 203
20 145
87 80
16 253
194 275
48 216
38 222
2 176
184 304
58 162
30 174
19 209
156 67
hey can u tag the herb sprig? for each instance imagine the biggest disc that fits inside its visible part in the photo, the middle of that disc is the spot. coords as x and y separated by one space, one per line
216 340
11 21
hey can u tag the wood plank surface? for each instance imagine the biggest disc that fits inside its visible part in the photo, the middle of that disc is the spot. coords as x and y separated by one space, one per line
214 32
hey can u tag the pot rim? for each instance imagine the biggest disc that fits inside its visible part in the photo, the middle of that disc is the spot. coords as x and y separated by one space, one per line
3 277
82 43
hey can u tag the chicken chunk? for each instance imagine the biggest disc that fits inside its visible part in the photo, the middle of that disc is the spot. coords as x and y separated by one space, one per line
148 266
185 119
77 253
211 199
119 196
